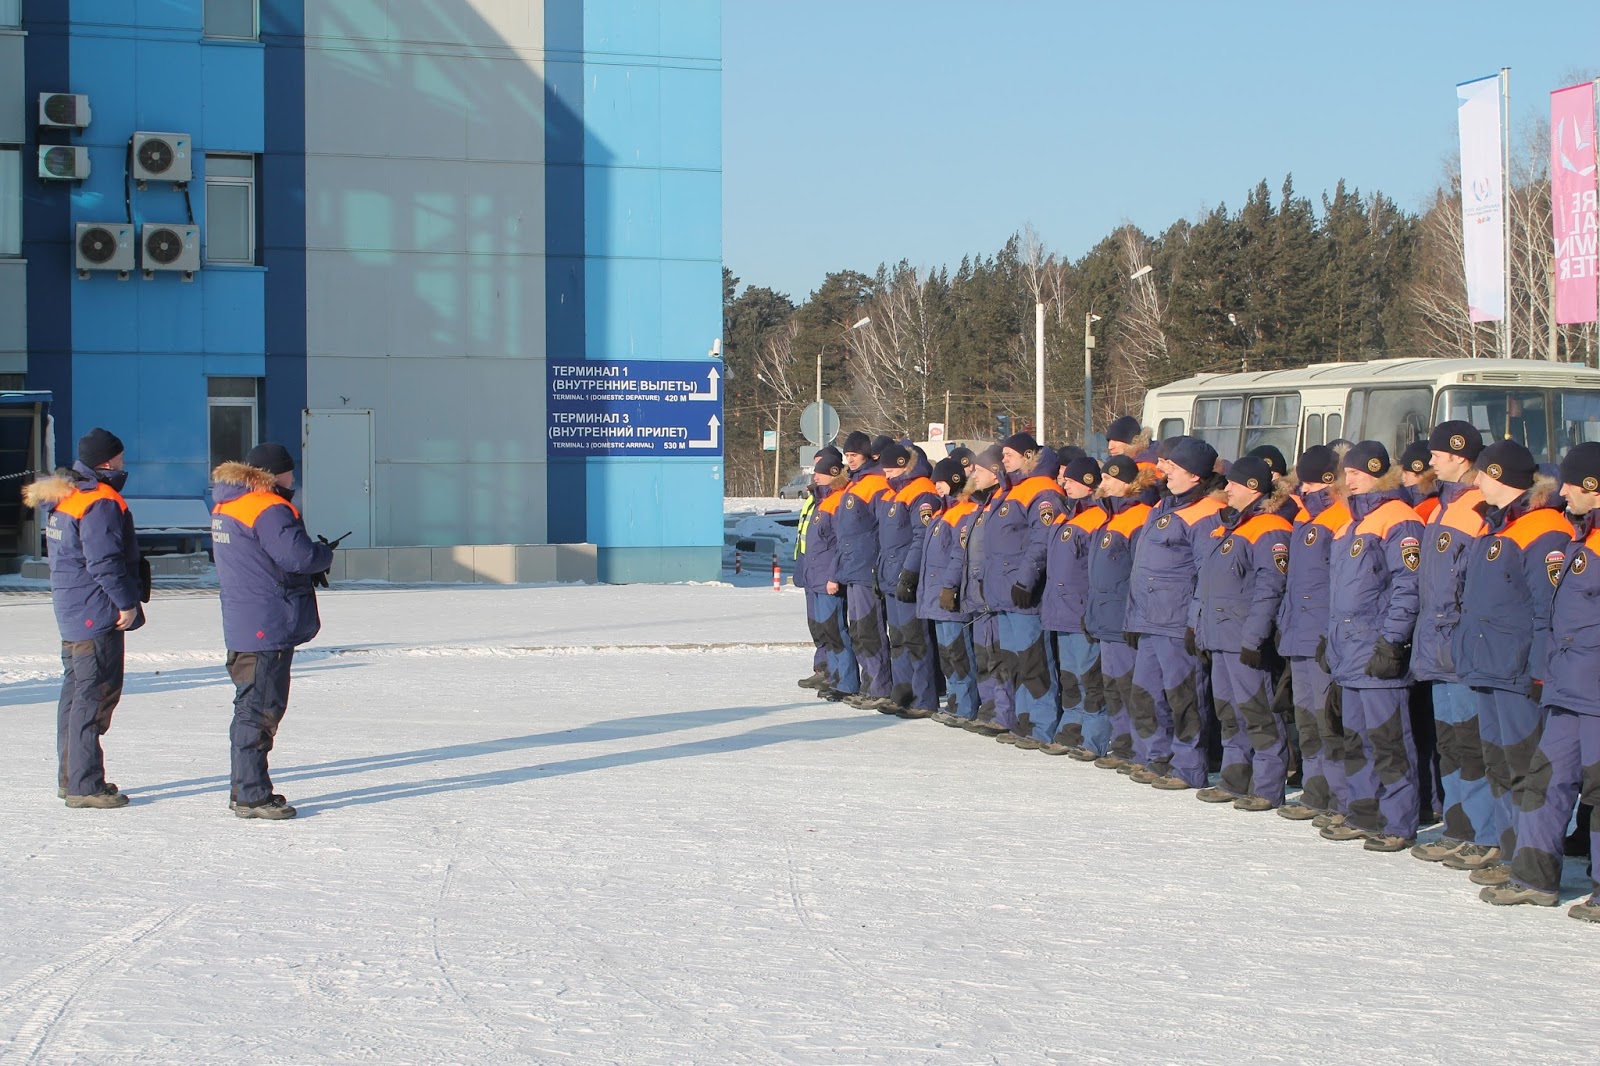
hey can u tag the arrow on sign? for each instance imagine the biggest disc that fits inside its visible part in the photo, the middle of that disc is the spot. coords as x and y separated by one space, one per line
710 394
711 425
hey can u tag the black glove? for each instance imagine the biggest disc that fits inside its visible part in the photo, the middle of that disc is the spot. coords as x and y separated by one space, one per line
905 590
320 579
1022 596
949 599
1388 661
1335 709
1322 654
1189 644
1536 691
1091 639
146 581
1131 640
1250 657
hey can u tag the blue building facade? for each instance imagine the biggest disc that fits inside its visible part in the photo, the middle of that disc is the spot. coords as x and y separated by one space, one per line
404 212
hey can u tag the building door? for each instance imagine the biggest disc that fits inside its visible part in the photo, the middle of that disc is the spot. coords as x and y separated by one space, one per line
337 493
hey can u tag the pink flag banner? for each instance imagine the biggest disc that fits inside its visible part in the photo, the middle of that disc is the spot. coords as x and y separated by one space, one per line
1573 196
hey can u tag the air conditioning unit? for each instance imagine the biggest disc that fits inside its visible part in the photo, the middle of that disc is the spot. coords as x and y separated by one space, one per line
104 246
161 157
63 111
61 162
170 246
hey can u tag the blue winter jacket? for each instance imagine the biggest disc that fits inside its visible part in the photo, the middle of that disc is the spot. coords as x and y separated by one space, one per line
265 562
1066 566
1111 559
944 559
1372 586
1166 563
1446 536
1007 544
822 539
905 514
1241 580
857 528
1574 636
1503 638
1303 614
802 546
94 556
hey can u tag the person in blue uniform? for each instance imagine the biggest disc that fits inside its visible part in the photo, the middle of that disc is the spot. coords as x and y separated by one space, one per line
944 557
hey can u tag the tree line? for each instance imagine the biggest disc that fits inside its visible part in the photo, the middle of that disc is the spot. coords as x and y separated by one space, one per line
1278 282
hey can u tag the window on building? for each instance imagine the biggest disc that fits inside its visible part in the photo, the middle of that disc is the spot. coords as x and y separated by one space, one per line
10 13
1217 422
232 20
233 413
230 233
10 200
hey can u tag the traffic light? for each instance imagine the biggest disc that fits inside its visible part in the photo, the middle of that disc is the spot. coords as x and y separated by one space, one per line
1002 426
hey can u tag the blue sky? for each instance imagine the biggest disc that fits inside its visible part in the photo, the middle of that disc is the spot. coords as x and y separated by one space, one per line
877 130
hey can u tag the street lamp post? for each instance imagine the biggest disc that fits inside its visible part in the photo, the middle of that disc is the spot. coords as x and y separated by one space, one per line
1089 320
864 321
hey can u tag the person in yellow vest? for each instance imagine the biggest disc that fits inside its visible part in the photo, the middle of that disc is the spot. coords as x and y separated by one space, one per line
97 583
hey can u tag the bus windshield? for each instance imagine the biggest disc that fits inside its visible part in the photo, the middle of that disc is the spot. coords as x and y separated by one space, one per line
1545 421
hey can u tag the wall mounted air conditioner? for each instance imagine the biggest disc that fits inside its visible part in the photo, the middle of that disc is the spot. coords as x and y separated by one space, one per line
61 162
104 246
161 157
170 246
63 111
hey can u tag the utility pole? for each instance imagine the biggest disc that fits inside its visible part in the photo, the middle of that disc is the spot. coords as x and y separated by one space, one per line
946 414
1505 197
1089 320
777 451
1038 370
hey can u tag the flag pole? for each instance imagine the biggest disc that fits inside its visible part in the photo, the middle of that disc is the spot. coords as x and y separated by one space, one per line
1505 199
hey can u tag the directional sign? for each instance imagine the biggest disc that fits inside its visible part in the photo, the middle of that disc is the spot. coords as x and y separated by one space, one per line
610 407
819 428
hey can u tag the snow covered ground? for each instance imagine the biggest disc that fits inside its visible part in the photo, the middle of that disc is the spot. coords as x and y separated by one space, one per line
594 825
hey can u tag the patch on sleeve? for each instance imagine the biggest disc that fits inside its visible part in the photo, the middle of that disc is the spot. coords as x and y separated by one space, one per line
1047 513
925 512
1280 557
1553 563
1411 552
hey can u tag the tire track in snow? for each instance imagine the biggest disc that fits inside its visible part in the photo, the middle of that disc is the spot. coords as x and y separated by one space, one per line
487 1026
55 987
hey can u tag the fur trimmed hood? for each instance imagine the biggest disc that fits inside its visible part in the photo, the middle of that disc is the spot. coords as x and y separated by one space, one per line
1141 441
1545 493
252 478
49 491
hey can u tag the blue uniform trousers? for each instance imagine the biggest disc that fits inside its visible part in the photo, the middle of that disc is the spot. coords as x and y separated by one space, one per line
839 655
91 686
1468 810
819 658
1036 691
1255 741
261 695
1321 738
1379 762
957 662
912 662
1116 674
994 672
1085 722
1565 767
869 638
1170 700
1508 723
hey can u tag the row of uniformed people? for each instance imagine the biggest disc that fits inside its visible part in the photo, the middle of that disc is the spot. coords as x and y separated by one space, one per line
1106 613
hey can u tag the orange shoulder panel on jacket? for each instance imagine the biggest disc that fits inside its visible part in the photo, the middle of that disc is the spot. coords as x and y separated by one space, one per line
1426 506
916 488
1129 521
958 511
870 487
1030 489
1389 514
830 503
1091 520
1461 514
251 506
1535 524
80 502
1335 517
1253 528
1199 509
1592 541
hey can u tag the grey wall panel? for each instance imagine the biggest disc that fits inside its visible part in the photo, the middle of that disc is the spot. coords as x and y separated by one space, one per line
433 205
16 117
465 503
488 24
13 316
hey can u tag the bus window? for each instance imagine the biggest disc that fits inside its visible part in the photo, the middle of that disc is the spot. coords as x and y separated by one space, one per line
1577 419
1394 417
1313 430
1335 427
1217 422
1274 420
1502 414
1170 427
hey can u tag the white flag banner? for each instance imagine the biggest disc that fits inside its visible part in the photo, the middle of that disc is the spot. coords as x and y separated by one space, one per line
1482 198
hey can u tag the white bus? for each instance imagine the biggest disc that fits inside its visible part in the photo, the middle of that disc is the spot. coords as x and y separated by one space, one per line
1548 407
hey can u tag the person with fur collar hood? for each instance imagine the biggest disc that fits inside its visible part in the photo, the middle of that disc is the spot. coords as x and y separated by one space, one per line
1372 613
1124 436
1237 595
266 565
1502 644
96 586
905 514
1419 482
944 558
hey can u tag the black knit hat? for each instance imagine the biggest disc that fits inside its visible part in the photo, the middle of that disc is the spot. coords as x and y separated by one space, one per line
1581 466
273 458
1084 471
1195 456
1457 438
879 443
1509 463
1164 448
1272 457
1123 429
895 458
1021 443
829 462
1318 465
1253 472
990 460
951 472
1368 456
1068 452
98 447
964 456
857 442
1121 467
1417 457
